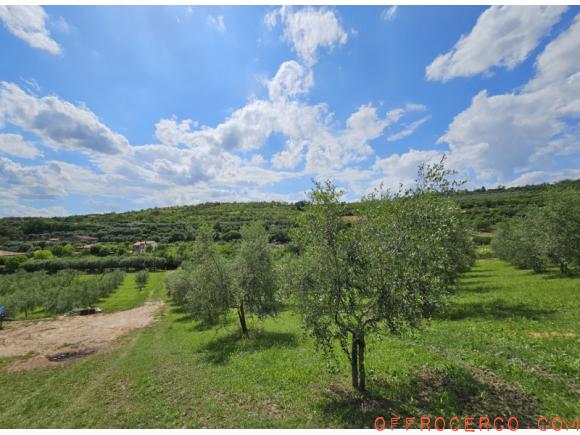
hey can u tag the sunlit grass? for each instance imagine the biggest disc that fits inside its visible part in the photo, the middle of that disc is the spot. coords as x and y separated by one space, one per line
507 344
128 296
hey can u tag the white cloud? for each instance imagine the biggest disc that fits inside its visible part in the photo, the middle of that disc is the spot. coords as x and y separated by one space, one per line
217 22
170 132
536 177
503 36
14 144
311 133
389 14
10 207
501 135
408 130
308 29
60 124
291 80
29 24
192 163
30 182
398 169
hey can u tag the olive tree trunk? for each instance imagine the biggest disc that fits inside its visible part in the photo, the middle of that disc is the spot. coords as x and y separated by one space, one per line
361 364
357 363
242 316
354 363
563 268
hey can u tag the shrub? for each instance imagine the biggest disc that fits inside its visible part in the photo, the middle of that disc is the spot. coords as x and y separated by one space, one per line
141 278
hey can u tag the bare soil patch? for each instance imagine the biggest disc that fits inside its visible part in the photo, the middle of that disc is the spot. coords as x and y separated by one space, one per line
70 338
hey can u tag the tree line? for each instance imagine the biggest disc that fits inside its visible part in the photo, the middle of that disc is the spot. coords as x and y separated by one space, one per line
56 293
544 236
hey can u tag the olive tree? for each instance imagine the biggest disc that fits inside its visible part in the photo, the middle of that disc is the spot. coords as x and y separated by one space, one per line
210 285
381 272
208 279
522 241
255 289
561 226
141 279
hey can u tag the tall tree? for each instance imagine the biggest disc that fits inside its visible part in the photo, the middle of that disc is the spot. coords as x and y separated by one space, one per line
561 226
256 290
209 279
141 279
384 270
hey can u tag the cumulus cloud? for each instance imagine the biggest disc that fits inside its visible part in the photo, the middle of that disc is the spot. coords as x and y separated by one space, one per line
291 80
536 177
311 132
503 36
13 208
501 135
60 124
217 22
29 24
15 145
30 182
308 29
398 169
192 162
389 14
170 132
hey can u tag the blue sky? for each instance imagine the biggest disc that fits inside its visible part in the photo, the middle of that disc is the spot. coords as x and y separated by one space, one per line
118 108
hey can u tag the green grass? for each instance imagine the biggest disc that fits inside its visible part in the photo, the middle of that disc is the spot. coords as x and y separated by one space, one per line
507 344
127 296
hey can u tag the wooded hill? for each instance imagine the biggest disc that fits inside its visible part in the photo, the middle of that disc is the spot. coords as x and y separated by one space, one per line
483 207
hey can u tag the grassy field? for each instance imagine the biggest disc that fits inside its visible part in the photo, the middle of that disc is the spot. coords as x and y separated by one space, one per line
127 296
507 344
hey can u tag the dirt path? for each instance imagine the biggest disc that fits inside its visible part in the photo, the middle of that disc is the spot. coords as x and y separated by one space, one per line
67 338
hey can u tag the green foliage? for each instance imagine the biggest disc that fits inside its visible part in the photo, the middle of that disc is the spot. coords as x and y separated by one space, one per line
166 225
43 254
56 293
544 235
382 272
11 264
96 264
561 225
255 290
141 278
521 242
211 285
203 285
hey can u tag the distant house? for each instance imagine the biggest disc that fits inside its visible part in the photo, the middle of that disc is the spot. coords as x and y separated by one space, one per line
10 254
141 246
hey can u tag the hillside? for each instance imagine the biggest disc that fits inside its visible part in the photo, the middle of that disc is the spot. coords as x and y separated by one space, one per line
484 208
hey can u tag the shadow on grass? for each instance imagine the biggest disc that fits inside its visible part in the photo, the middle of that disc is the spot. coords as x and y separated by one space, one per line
555 274
447 392
184 316
478 286
494 309
220 350
482 274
